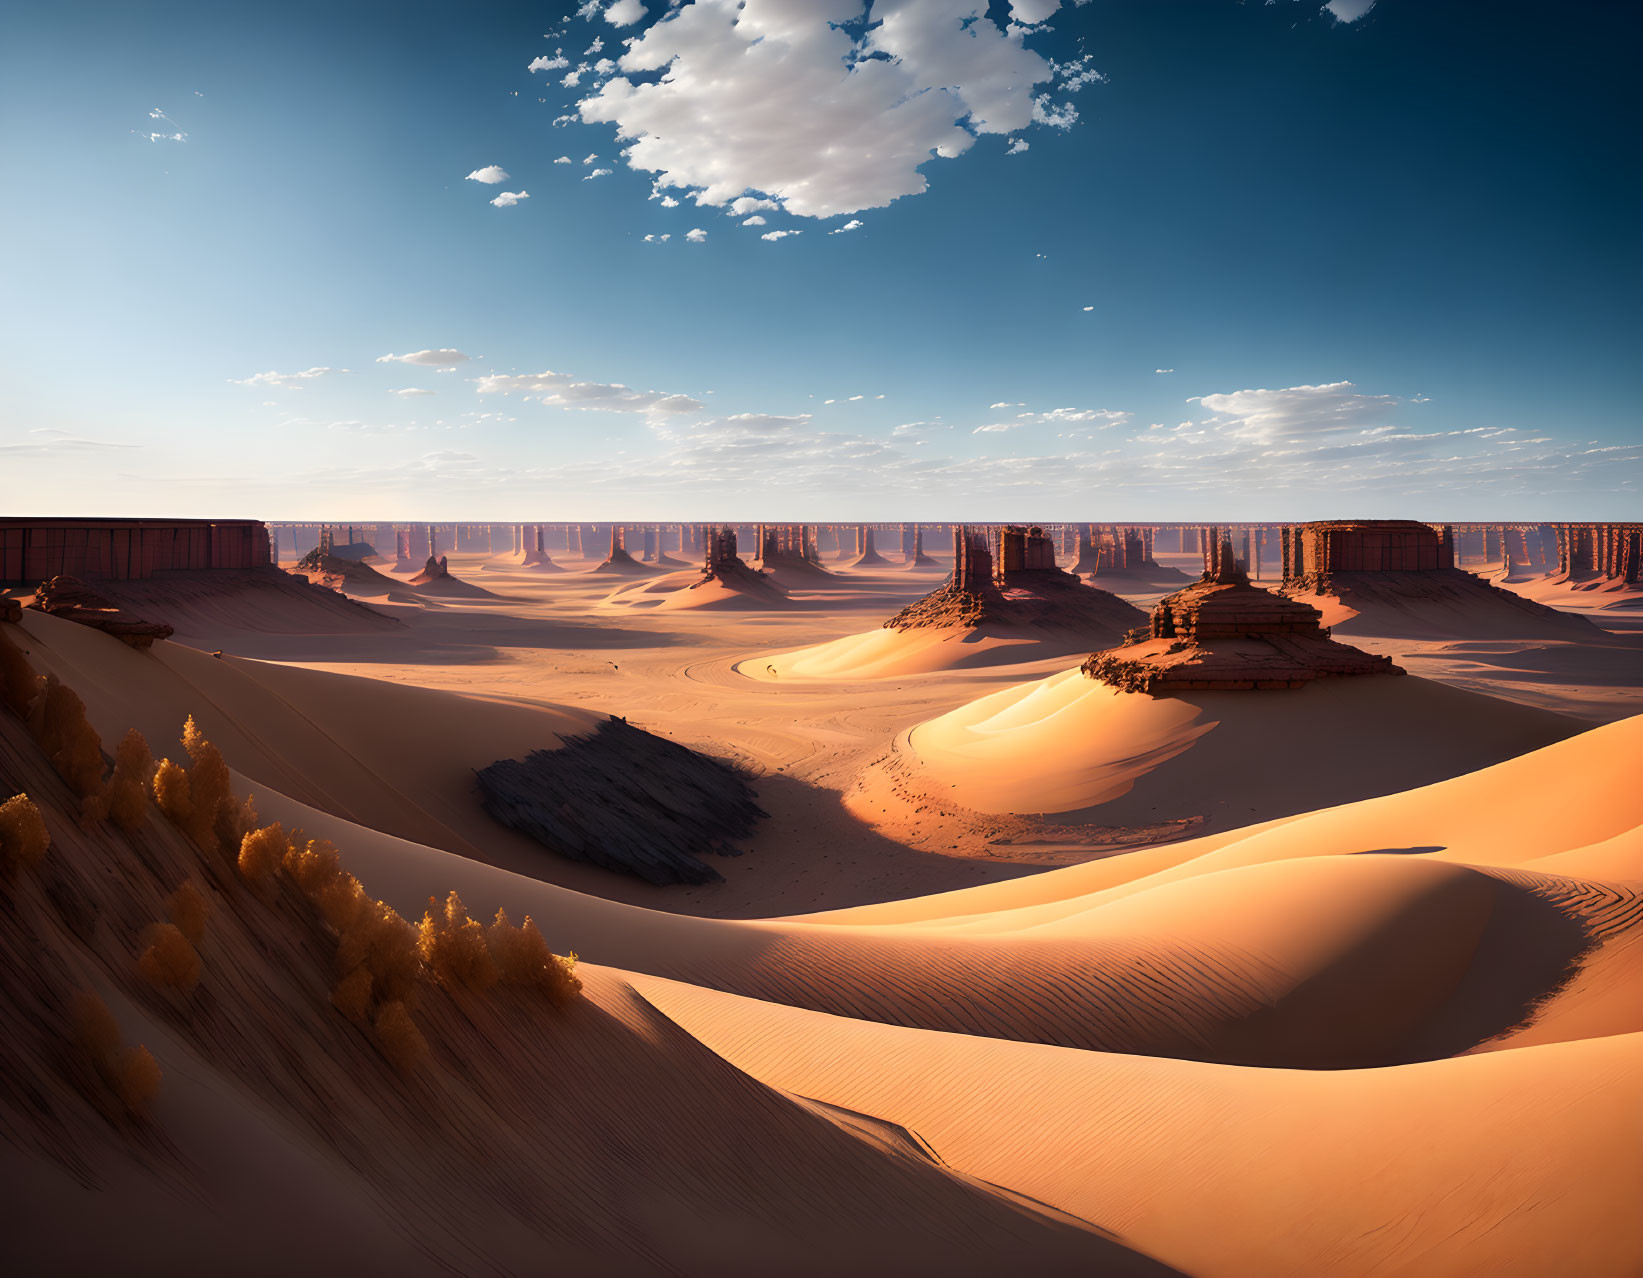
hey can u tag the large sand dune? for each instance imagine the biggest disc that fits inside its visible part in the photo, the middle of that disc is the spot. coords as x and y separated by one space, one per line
1071 744
1397 1035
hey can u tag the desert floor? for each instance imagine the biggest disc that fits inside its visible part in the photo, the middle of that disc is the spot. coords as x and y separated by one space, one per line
1016 972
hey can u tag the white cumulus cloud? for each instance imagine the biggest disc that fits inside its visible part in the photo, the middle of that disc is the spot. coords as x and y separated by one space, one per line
806 104
491 174
1348 10
507 199
696 235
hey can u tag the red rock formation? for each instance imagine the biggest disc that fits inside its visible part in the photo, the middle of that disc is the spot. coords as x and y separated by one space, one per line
1223 634
619 562
32 550
1600 556
1003 590
403 561
1396 567
866 555
788 549
917 558
432 571
73 600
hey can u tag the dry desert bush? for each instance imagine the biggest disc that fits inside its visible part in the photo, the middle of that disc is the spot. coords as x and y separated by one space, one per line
23 836
137 1078
134 1075
189 910
523 957
168 960
127 795
19 685
455 947
261 852
70 742
399 1038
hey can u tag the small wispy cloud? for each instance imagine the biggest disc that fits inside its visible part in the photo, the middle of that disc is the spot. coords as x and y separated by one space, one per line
445 357
291 381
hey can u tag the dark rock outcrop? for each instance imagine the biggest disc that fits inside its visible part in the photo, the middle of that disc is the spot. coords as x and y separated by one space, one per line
627 800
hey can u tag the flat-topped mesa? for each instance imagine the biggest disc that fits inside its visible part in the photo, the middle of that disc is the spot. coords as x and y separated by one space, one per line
788 548
1223 634
1379 565
1023 550
73 600
33 550
619 562
1314 553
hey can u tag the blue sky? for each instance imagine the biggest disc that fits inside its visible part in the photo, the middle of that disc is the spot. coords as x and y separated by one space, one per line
1125 259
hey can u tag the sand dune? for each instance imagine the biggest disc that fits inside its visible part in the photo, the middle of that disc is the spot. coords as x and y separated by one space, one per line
882 653
1384 1037
1457 1167
1449 605
1070 744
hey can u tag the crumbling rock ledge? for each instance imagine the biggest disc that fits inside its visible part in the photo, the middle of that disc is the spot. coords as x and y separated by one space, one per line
73 600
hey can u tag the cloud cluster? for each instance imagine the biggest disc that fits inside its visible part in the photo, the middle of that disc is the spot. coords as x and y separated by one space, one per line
563 391
826 106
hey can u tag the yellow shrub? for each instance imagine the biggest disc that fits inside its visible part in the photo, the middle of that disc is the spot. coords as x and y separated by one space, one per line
343 902
170 787
23 836
19 684
399 1038
313 866
69 740
352 996
137 1079
189 910
453 945
523 957
168 958
385 943
127 795
94 1028
210 787
261 852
